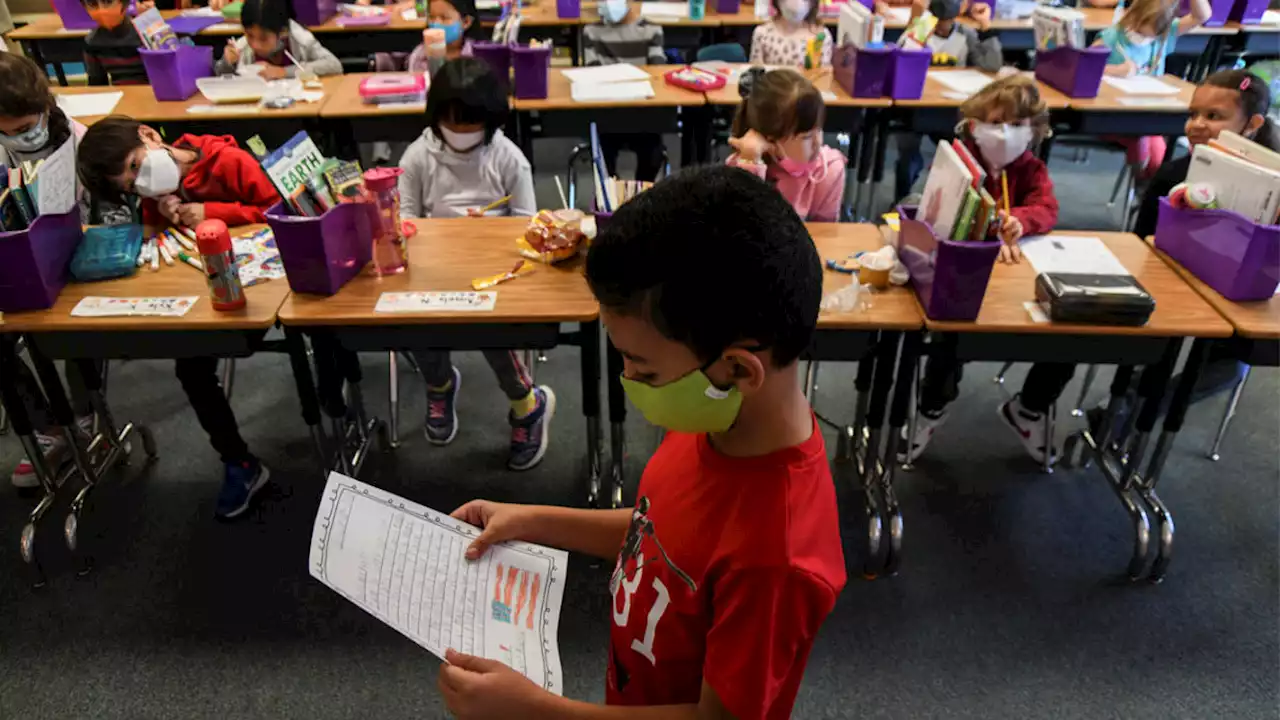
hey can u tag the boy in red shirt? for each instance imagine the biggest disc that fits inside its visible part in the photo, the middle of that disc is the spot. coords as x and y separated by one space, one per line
709 286
197 178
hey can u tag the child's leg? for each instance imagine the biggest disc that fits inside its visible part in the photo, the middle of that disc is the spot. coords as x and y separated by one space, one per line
1025 413
610 145
531 408
443 382
648 148
77 391
53 445
939 387
1156 147
908 165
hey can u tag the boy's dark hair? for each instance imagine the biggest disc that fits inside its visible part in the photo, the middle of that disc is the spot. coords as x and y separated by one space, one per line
780 103
945 9
25 91
465 90
1255 99
712 256
100 3
270 15
112 140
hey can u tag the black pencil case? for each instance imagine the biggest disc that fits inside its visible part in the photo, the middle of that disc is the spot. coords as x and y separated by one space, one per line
1094 299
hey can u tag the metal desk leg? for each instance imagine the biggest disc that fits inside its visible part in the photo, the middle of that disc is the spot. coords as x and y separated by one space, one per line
1155 378
902 396
589 341
886 352
1169 432
26 435
1229 413
854 437
393 399
617 424
307 394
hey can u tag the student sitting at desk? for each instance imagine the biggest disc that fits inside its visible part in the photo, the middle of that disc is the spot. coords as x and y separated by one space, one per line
1145 35
622 36
1002 122
111 49
459 22
270 38
198 177
463 163
789 36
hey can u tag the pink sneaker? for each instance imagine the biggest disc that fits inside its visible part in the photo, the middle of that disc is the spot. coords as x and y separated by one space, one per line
53 449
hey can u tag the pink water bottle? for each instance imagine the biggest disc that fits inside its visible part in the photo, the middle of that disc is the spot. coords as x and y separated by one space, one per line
390 252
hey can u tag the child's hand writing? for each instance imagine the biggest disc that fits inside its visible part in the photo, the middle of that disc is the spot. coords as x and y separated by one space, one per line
271 72
231 54
168 206
751 147
1010 234
500 521
191 214
480 689
981 14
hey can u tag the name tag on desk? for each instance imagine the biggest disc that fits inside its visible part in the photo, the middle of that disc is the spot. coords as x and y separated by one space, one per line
426 302
136 306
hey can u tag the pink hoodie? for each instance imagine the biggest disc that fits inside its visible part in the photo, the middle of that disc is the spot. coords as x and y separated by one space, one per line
816 197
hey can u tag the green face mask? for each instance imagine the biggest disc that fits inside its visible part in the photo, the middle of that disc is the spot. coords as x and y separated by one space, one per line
691 404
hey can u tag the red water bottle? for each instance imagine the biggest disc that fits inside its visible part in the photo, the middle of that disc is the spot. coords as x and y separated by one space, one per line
214 242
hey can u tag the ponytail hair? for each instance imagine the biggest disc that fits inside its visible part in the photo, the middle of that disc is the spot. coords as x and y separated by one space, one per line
1255 99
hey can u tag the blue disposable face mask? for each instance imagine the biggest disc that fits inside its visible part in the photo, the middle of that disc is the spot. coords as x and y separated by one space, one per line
613 11
452 31
28 141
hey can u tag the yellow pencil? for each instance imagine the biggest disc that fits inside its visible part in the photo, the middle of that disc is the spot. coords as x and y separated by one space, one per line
493 205
1004 190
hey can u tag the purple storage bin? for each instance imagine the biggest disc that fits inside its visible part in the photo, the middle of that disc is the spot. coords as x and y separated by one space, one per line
1075 72
531 66
906 79
1248 12
568 9
320 254
314 12
497 55
863 73
949 277
34 262
1229 252
73 15
173 73
728 7
192 25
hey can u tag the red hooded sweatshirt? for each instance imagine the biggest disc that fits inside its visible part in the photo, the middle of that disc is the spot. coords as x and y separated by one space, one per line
1031 198
228 180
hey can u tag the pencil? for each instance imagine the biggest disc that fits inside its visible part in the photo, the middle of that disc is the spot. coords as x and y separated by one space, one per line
1004 190
494 205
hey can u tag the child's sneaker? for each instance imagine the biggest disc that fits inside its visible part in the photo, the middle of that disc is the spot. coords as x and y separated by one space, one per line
239 485
529 433
85 424
926 424
442 412
1029 427
53 448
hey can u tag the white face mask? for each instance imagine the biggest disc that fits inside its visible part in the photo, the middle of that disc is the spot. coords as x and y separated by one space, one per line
29 141
613 11
1137 39
461 142
158 175
1001 144
797 11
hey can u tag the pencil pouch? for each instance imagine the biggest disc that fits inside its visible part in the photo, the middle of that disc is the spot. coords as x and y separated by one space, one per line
107 251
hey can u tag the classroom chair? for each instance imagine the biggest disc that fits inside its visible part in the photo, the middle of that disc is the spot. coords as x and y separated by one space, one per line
583 152
723 52
1229 413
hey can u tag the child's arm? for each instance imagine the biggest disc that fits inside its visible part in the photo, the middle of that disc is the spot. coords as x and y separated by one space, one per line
985 51
1118 63
1037 209
598 533
591 46
830 190
517 179
230 59
657 54
410 186
757 44
246 180
315 57
1201 11
95 73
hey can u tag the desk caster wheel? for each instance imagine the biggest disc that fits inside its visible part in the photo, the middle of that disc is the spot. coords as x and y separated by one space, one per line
27 544
148 442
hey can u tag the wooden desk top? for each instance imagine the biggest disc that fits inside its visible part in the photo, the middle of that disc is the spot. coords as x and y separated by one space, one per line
821 78
49 27
139 102
938 95
448 255
560 98
258 313
1180 311
397 24
1109 96
344 101
1259 319
891 309
1259 28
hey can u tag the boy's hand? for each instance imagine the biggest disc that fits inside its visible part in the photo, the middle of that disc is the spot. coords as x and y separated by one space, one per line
191 214
271 72
500 521
1010 234
981 14
168 207
918 8
482 689
751 147
231 54
474 212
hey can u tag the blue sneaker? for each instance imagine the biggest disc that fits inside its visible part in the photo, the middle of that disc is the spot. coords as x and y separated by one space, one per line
529 434
241 483
442 412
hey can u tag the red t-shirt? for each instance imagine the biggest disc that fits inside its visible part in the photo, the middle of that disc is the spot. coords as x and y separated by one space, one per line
758 542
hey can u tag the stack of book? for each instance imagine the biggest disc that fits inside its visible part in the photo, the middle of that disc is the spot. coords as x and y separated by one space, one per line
954 202
1243 175
17 200
859 26
1055 27
37 187
155 33
310 183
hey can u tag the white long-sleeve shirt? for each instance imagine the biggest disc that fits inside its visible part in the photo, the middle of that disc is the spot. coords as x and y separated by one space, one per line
439 182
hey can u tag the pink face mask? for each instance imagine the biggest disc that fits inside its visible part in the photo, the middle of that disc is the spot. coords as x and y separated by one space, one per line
798 169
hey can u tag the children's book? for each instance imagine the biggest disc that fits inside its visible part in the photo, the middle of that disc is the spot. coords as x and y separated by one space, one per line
154 31
985 219
975 168
346 182
1240 185
968 211
289 166
859 26
1055 27
945 190
918 32
21 200
1247 149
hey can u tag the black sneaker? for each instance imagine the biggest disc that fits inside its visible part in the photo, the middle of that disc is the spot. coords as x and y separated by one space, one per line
529 434
241 482
442 412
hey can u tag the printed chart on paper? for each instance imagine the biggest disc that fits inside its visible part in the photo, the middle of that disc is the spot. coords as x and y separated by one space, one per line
403 563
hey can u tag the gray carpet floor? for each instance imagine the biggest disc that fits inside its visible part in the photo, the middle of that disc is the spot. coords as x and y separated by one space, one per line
1008 603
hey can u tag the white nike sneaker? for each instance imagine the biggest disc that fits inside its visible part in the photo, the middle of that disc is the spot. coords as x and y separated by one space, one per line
1029 427
926 424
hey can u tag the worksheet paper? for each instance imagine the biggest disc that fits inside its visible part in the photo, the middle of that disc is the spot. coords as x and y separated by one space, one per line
1149 101
617 73
1071 254
664 10
56 181
89 103
134 306
403 563
1141 85
611 92
962 81
418 302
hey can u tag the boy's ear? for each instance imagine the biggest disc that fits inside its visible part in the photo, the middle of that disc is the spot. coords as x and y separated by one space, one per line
746 369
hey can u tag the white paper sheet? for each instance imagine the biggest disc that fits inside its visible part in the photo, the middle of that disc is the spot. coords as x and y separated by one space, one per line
664 10
897 15
403 563
1071 254
1151 101
422 302
620 72
1270 17
56 181
226 26
134 306
1141 85
611 92
89 104
962 81
201 12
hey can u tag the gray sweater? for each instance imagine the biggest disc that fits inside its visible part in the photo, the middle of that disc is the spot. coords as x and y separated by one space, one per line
302 45
438 182
968 48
